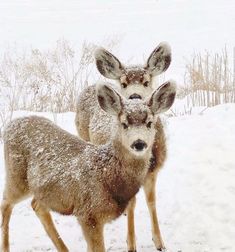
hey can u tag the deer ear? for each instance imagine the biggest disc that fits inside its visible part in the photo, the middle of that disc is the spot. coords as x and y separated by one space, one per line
109 100
107 64
162 98
159 60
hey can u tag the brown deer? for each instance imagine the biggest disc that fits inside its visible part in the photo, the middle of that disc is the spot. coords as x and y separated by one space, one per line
73 177
95 125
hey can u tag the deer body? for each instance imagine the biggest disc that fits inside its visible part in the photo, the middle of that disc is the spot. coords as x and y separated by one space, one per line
59 169
95 125
70 176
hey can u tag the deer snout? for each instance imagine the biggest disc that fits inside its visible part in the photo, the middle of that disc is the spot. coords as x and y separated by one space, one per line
135 96
139 145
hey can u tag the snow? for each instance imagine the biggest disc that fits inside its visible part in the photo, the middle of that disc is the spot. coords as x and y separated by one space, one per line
196 192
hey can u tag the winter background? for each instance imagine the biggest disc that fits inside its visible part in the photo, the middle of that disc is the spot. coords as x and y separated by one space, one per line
196 188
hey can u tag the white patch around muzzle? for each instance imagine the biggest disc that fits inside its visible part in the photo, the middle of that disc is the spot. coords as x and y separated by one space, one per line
137 89
138 140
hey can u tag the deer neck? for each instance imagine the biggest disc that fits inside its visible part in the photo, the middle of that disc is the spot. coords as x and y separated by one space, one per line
130 173
132 165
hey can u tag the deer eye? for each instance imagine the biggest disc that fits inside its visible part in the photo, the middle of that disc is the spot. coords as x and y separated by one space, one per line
124 85
149 124
125 126
146 83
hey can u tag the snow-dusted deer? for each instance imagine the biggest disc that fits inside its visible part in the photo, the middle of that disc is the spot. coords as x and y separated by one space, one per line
95 125
73 177
133 82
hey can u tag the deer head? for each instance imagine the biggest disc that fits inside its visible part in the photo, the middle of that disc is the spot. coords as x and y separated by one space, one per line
135 118
135 81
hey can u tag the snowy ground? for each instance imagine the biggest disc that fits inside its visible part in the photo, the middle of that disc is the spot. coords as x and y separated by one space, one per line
196 193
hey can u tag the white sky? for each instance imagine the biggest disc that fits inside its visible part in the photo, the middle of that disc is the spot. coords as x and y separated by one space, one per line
188 26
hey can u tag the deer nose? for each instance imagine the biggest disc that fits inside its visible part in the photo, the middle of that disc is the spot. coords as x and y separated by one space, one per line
135 96
139 145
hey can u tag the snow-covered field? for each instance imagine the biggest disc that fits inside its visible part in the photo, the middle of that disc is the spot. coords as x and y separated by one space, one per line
196 188
196 193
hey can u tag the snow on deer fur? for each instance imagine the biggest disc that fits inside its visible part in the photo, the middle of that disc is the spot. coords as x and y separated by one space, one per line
70 176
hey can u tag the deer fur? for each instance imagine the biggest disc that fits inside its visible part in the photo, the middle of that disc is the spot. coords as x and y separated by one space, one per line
95 125
73 177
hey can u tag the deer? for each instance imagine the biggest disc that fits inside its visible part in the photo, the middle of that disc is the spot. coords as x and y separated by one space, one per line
95 125
70 176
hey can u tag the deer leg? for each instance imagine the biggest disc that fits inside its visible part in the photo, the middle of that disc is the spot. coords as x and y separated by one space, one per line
131 243
48 224
149 189
93 233
6 210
